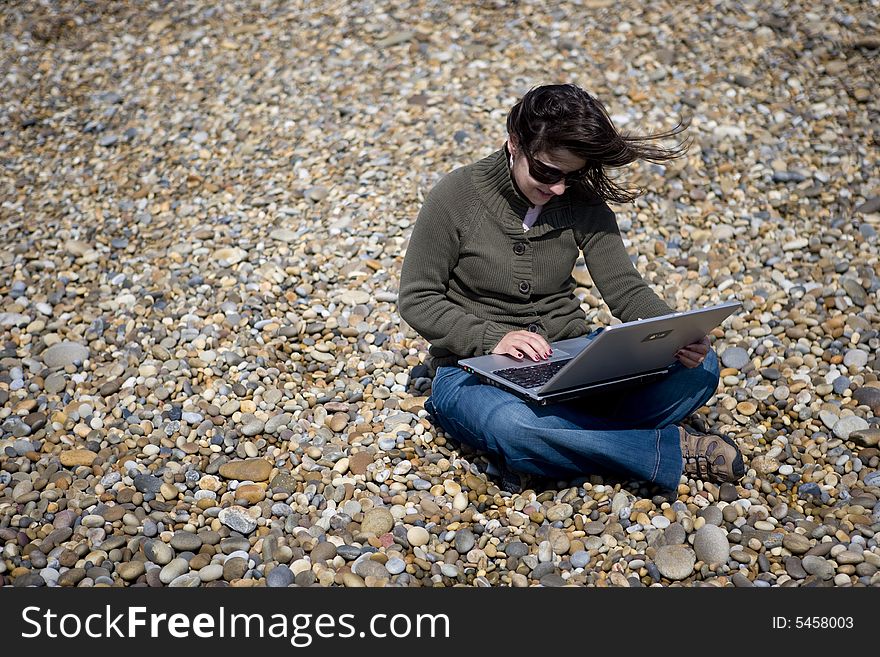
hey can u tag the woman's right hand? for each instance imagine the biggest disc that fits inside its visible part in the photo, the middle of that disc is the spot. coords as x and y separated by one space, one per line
523 344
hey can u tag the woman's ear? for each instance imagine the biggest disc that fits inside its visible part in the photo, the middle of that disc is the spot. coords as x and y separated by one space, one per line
511 144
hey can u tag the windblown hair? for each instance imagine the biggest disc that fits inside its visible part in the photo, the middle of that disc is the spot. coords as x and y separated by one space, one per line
565 116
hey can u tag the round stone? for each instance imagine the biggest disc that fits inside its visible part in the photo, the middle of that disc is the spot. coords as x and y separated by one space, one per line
735 357
747 408
856 358
675 562
712 515
580 559
417 536
728 493
55 383
559 512
377 521
279 577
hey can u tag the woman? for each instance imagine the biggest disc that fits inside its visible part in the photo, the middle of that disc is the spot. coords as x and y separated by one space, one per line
488 270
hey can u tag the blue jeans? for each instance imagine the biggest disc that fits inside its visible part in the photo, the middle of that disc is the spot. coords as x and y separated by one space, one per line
631 431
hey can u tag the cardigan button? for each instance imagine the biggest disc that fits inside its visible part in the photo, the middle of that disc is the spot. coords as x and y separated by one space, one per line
533 328
524 287
519 248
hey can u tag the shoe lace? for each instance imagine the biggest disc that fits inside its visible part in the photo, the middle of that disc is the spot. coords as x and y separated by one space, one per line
698 460
698 464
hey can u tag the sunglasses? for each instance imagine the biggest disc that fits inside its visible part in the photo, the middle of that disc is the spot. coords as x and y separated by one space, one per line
547 175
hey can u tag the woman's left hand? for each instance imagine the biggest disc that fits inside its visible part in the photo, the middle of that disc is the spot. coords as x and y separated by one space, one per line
693 354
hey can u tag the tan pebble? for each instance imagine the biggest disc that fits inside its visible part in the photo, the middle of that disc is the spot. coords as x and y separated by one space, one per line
411 404
130 570
519 580
619 579
451 487
377 521
337 422
73 458
764 464
248 469
209 482
746 408
352 581
252 493
418 536
168 491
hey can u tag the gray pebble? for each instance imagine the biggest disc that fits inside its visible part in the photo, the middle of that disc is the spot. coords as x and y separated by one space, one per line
395 565
711 545
675 562
65 353
580 559
186 541
147 483
279 576
735 357
818 566
674 534
464 541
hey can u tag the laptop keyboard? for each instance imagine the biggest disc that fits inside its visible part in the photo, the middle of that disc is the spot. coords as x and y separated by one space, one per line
534 375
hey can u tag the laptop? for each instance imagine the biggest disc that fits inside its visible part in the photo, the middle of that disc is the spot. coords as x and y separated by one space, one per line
622 355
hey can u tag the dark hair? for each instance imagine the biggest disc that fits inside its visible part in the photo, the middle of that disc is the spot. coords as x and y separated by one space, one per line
565 116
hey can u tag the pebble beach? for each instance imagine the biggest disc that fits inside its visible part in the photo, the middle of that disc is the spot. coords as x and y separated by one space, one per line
204 377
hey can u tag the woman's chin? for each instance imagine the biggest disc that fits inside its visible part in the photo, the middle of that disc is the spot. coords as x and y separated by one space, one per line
540 198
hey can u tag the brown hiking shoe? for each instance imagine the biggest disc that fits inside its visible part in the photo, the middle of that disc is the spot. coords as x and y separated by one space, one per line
710 458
